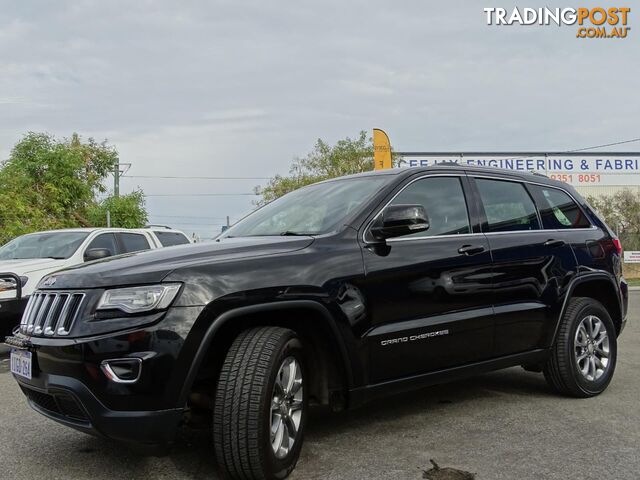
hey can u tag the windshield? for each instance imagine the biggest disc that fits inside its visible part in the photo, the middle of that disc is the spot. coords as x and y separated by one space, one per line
59 245
313 210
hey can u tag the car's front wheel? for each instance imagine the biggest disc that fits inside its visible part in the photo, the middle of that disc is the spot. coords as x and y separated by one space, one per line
583 358
260 405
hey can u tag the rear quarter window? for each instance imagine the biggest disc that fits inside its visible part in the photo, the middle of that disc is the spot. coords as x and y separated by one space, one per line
169 239
558 210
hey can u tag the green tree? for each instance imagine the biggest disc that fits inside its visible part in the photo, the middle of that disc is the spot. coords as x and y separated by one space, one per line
325 161
621 211
125 211
48 183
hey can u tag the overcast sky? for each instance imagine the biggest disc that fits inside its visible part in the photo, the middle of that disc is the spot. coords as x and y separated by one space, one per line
239 88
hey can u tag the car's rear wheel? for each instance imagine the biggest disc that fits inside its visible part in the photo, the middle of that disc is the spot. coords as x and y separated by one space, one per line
583 358
260 405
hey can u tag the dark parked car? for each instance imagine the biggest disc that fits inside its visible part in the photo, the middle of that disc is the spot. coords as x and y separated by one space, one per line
335 294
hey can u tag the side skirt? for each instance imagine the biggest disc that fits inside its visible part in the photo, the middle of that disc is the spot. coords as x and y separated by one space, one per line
362 395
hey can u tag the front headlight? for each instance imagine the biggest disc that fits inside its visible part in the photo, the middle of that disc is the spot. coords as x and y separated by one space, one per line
8 283
139 299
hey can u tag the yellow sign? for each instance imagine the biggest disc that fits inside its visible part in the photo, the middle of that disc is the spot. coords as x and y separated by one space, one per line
381 150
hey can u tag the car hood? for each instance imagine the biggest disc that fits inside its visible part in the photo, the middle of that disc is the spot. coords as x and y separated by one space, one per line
153 266
25 266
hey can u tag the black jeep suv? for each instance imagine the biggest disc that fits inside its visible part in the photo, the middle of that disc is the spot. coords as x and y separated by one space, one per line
335 294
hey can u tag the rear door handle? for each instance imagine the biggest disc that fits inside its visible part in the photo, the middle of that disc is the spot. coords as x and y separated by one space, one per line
554 243
470 249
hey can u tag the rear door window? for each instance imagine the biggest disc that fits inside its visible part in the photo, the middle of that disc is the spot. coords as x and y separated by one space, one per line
558 210
133 242
507 205
169 239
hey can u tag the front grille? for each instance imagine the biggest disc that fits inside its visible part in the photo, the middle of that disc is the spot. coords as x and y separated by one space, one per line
59 404
51 313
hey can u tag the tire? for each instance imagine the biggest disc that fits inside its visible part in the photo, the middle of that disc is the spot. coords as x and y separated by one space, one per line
576 352
249 396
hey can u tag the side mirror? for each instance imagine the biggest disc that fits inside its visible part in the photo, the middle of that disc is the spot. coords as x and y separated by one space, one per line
96 254
399 220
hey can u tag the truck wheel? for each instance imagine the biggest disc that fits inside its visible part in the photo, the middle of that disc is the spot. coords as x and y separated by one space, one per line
260 405
583 358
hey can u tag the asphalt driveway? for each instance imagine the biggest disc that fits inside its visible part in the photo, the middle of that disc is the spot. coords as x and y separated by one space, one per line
504 425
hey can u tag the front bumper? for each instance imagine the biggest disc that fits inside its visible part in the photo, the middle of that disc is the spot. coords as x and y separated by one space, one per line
69 386
69 402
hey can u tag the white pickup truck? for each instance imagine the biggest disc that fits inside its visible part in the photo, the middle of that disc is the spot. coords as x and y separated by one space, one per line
25 260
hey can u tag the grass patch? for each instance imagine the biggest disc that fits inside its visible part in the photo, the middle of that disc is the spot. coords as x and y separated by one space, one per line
634 282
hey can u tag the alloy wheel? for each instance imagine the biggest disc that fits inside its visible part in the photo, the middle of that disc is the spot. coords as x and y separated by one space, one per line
591 348
286 407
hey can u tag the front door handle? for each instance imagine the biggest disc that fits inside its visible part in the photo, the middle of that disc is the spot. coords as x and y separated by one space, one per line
470 249
554 243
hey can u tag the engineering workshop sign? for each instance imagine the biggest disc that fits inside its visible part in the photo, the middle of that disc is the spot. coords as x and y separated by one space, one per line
578 169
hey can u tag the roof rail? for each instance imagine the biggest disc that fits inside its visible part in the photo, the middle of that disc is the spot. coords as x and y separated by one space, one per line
539 174
151 225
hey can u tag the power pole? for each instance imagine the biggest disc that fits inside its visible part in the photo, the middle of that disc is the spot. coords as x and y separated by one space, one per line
116 179
228 221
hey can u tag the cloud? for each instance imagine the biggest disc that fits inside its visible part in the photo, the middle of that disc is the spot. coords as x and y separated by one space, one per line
225 88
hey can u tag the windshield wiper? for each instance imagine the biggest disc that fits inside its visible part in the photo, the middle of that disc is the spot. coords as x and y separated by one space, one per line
289 233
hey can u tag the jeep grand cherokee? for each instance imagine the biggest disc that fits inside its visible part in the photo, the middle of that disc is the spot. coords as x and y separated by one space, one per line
335 294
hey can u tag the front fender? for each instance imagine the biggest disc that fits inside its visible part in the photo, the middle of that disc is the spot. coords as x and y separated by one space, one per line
208 337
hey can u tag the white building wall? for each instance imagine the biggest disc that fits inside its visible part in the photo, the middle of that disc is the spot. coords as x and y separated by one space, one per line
605 190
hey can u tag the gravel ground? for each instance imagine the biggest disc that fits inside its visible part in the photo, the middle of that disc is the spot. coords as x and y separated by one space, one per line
504 425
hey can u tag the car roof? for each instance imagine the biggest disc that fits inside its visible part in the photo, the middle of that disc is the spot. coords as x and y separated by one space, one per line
107 230
455 167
